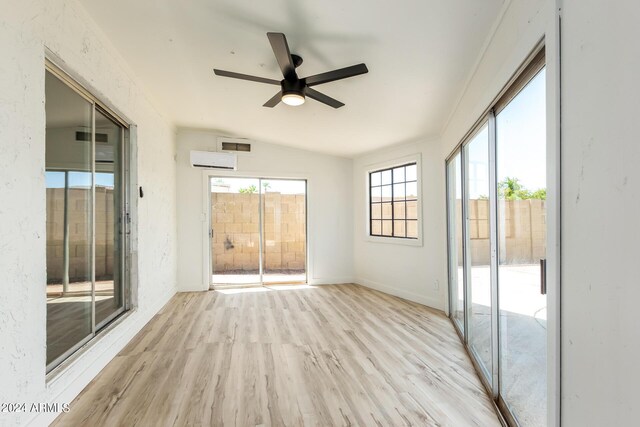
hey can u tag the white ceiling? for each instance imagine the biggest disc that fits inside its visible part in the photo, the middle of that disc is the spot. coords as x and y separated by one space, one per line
419 53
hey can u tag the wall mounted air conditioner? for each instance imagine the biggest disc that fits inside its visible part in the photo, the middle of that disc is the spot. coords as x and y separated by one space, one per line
214 160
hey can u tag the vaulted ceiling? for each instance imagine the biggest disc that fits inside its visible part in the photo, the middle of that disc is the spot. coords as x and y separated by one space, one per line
419 54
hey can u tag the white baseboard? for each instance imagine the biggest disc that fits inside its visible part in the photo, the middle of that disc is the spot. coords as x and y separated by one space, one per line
433 302
330 281
68 384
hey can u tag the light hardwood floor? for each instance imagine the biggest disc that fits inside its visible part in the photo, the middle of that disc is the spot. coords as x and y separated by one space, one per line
317 356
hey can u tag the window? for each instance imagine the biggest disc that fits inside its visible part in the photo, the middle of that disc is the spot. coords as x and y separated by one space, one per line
393 202
86 203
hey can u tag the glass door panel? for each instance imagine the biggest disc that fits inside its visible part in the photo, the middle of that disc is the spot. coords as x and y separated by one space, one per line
478 246
68 177
285 231
235 225
521 176
108 193
456 259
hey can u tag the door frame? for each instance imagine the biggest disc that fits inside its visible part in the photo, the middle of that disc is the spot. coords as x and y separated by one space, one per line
207 264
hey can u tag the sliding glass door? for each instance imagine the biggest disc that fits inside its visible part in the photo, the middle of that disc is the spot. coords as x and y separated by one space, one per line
85 199
284 230
258 231
521 174
69 195
496 197
235 231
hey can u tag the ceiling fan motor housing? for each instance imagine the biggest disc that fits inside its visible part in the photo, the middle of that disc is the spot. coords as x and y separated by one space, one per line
296 87
294 90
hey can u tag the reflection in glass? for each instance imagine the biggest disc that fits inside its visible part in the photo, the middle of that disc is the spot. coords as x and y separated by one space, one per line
479 248
456 266
68 211
521 174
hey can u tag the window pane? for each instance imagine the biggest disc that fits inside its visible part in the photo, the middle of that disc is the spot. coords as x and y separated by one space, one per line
399 211
108 192
375 178
521 176
412 173
412 190
412 209
386 193
376 211
376 194
386 228
69 208
398 191
477 240
386 177
398 175
376 228
399 228
412 229
454 224
235 221
386 211
285 244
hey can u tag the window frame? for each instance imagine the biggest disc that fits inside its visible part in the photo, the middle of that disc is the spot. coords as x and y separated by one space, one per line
128 210
389 165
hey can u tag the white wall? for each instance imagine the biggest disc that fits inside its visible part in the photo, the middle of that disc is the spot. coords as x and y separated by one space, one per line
26 29
329 200
391 266
600 182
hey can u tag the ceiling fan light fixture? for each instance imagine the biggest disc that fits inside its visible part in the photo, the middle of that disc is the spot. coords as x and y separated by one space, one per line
293 99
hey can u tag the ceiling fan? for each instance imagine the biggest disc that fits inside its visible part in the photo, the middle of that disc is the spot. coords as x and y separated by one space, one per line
294 89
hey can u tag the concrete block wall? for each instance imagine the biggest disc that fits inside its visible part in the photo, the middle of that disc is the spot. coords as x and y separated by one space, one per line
236 226
523 227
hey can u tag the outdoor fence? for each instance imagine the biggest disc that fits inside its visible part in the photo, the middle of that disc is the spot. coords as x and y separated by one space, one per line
523 231
236 225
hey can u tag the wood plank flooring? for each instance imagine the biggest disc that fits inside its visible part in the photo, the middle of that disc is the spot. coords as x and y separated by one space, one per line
311 355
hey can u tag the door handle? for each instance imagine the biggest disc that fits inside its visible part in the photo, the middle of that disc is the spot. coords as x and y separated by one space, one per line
543 276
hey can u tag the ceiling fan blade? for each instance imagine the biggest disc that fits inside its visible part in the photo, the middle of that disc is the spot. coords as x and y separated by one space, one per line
273 101
283 55
331 76
245 77
314 94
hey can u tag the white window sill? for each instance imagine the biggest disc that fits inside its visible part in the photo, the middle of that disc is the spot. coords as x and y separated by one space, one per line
394 240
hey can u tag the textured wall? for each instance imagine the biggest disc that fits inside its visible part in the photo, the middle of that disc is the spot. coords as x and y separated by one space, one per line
27 30
600 211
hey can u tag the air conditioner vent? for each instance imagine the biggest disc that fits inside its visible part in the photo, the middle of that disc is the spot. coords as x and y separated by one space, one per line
236 146
240 146
86 137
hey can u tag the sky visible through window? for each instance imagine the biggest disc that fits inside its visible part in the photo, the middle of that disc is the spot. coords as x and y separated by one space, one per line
55 179
521 138
234 185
